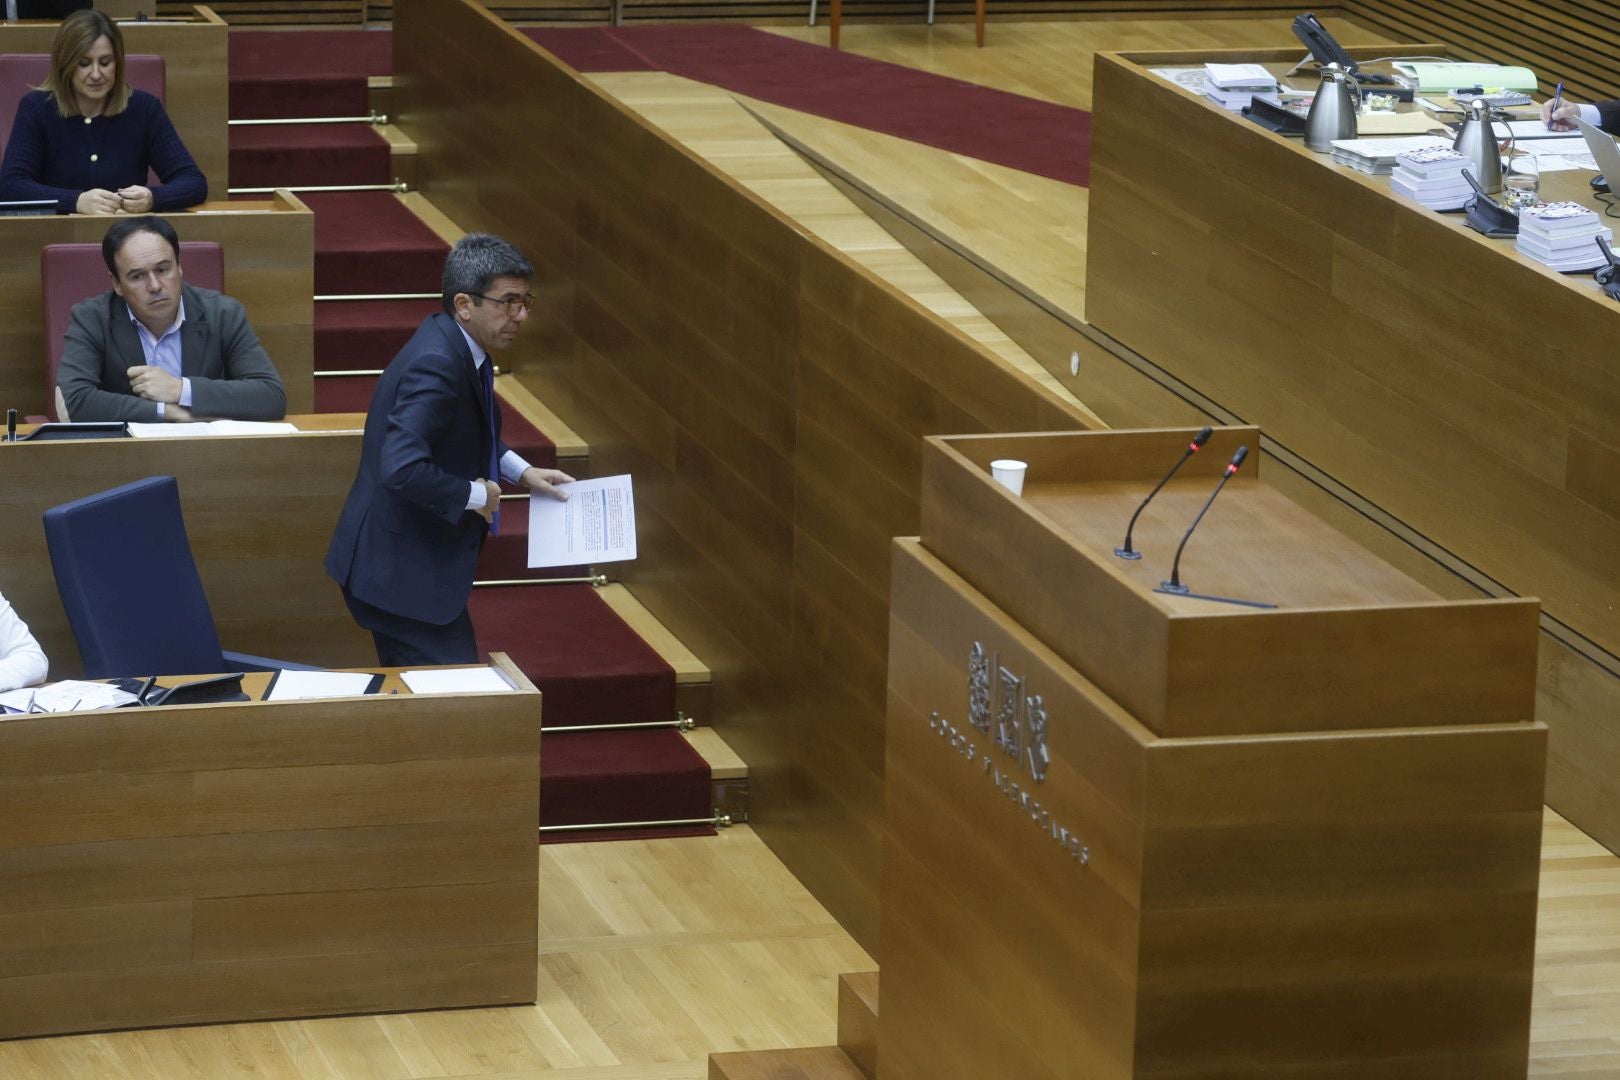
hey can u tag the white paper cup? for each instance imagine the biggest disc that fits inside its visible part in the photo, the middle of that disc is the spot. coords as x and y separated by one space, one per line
1009 474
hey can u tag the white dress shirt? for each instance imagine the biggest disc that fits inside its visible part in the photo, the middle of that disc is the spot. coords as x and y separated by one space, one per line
162 351
512 465
22 661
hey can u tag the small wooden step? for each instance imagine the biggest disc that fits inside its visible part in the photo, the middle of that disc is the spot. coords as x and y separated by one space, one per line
401 154
809 1063
858 1019
728 774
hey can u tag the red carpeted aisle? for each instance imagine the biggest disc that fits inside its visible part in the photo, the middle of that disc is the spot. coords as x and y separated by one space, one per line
1019 132
278 73
308 154
591 667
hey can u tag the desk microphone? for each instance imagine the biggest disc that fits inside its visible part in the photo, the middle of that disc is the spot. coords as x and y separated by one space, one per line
1174 585
11 425
1608 275
1128 552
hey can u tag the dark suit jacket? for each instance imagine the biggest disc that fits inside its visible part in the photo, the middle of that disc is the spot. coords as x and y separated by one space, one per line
231 377
1609 116
405 541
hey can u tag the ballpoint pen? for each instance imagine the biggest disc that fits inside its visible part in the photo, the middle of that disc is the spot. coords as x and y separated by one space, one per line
1558 99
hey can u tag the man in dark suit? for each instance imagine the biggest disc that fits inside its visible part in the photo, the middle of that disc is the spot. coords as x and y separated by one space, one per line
426 492
155 348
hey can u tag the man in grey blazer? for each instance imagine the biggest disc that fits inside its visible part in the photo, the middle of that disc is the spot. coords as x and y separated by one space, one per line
155 348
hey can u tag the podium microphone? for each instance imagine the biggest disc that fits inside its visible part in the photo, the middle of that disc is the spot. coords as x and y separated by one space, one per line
1128 552
1174 585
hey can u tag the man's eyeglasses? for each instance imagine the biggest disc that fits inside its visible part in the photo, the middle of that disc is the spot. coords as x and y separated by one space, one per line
514 304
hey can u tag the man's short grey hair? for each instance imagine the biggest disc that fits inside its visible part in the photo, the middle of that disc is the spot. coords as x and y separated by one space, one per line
477 260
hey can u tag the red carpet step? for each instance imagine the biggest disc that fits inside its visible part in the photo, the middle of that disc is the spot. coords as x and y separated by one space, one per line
305 72
293 155
1020 132
602 776
591 667
369 242
365 334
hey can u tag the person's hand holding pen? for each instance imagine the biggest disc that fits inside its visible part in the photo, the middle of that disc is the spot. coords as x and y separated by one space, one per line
1557 114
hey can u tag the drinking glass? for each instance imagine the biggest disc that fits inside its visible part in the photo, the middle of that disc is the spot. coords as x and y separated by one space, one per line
1522 184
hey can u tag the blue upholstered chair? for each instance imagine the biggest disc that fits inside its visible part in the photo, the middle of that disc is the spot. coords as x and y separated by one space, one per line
130 586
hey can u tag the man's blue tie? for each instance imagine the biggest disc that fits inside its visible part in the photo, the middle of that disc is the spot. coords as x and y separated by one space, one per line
486 372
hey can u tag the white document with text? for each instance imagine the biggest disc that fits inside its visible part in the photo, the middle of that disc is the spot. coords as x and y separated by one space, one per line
596 525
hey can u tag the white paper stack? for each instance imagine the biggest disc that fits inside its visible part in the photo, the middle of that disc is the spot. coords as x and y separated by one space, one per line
1234 86
1377 156
1562 235
1432 177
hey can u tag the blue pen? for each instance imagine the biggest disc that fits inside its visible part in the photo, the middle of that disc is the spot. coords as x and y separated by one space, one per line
1558 99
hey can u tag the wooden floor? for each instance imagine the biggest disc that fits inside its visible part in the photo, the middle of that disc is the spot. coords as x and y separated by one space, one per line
654 953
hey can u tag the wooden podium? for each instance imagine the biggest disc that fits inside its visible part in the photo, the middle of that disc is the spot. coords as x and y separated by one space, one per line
1131 834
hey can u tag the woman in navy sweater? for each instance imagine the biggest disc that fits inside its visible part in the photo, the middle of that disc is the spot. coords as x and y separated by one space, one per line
86 139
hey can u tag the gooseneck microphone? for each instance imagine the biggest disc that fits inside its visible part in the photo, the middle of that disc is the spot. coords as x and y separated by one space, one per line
1126 551
1174 585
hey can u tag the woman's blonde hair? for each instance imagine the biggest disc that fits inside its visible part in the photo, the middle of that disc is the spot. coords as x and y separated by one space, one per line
74 38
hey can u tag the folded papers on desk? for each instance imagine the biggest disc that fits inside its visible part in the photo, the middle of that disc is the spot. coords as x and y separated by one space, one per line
287 685
464 680
1233 86
210 427
1441 76
70 695
1377 156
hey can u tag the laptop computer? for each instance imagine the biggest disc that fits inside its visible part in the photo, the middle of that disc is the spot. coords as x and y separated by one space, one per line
1604 151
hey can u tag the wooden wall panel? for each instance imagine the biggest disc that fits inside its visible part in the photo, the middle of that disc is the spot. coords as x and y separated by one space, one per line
272 12
767 394
259 541
790 11
169 866
1573 40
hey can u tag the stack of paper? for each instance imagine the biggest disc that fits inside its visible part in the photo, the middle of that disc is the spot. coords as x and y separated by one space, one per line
70 695
1427 77
1234 86
1562 235
1432 177
210 427
1378 156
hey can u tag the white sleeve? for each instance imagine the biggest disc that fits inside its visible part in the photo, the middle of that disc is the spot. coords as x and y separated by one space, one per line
22 661
513 467
1590 114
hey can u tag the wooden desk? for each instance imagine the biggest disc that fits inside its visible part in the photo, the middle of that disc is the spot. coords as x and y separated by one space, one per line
1466 391
259 512
258 860
195 94
1132 835
269 266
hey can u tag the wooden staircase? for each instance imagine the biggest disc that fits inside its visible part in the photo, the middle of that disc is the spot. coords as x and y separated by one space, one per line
853 1058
